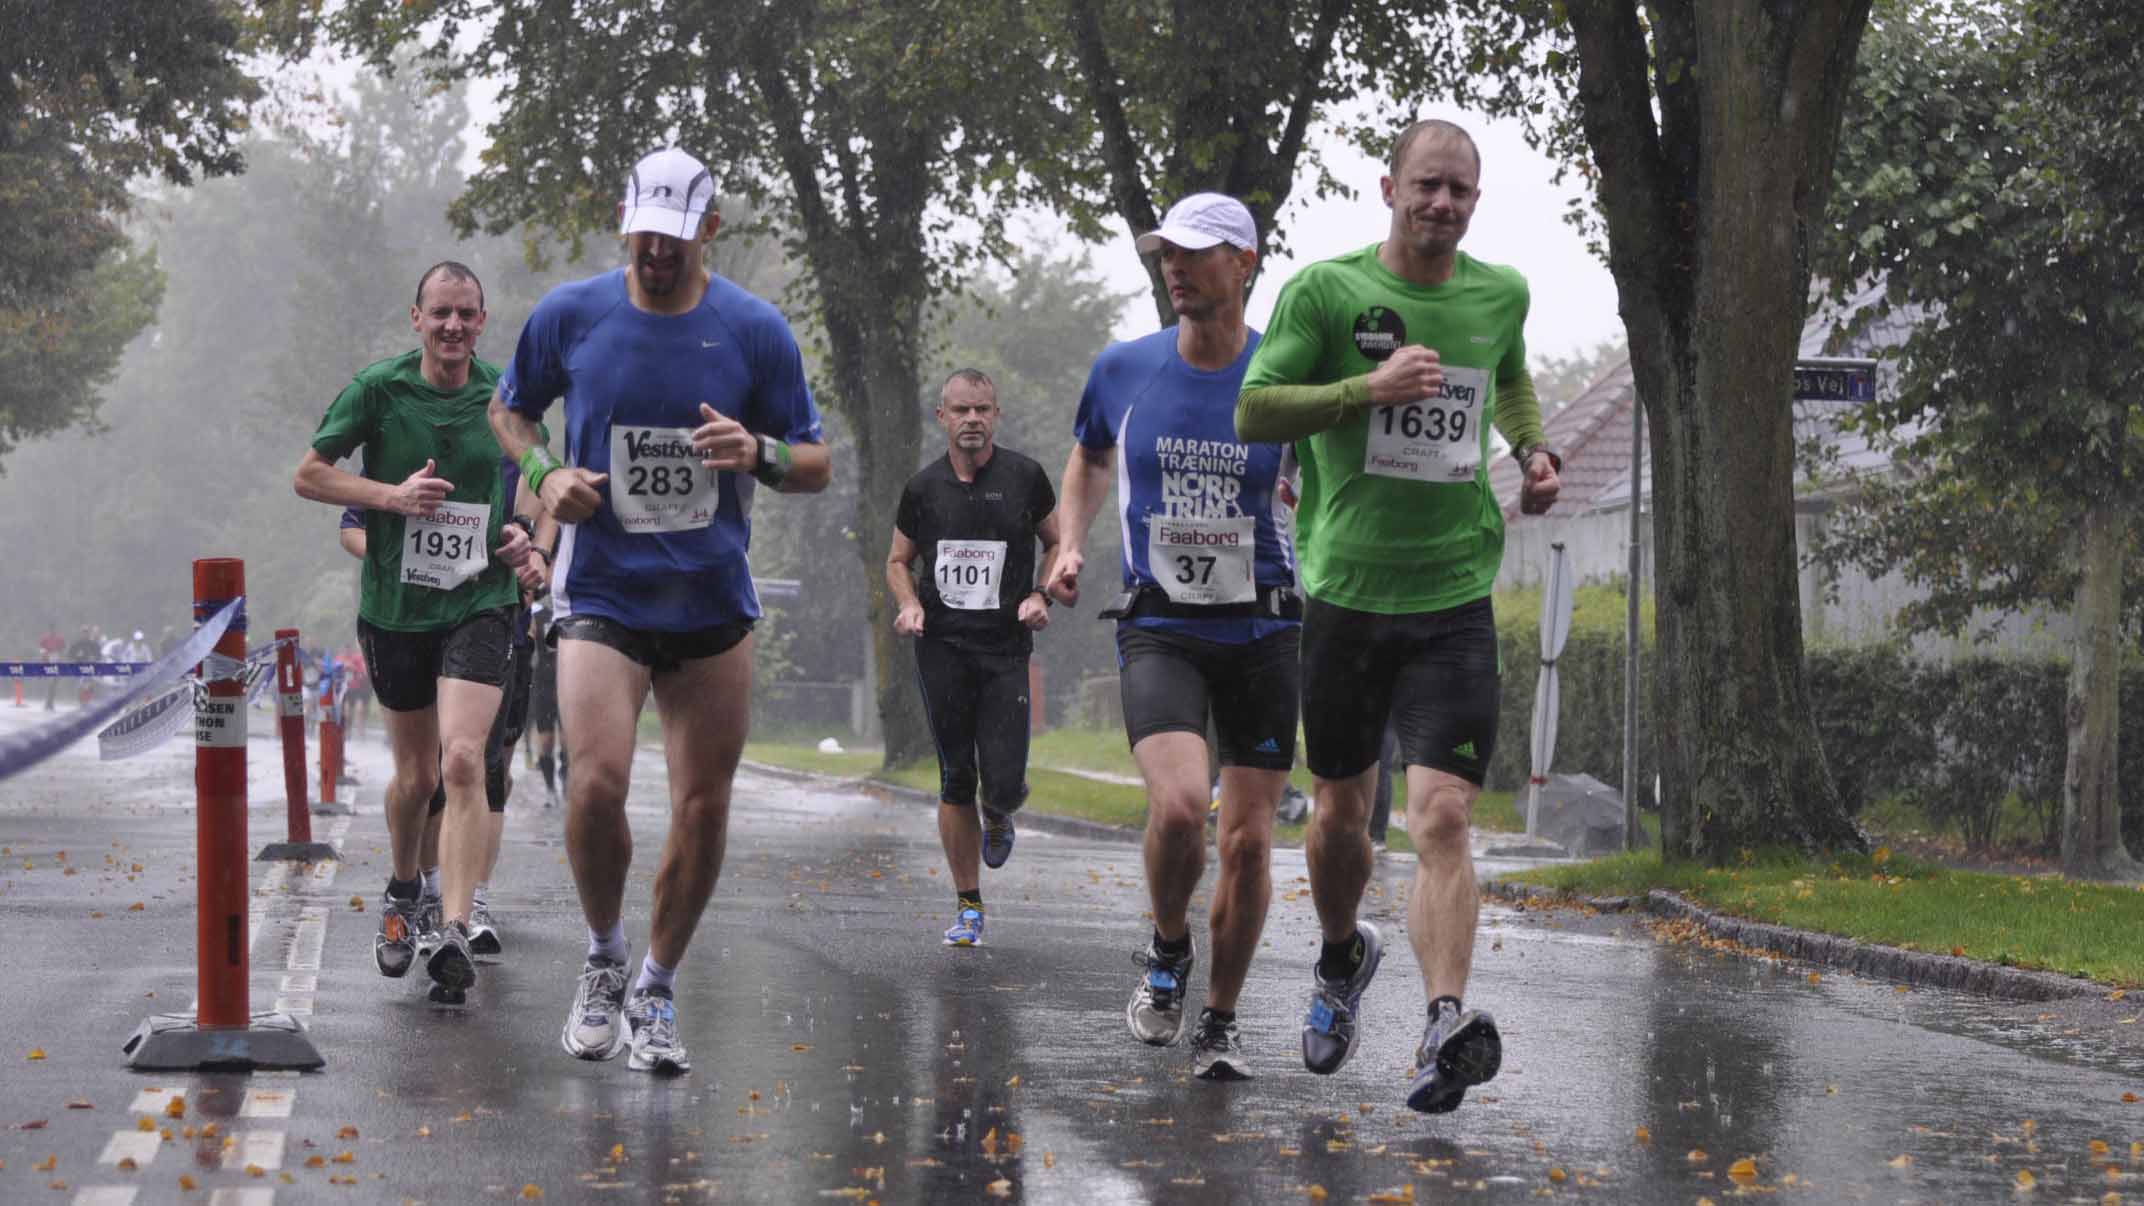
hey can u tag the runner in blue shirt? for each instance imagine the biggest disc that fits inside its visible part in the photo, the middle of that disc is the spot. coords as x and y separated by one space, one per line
1209 620
681 393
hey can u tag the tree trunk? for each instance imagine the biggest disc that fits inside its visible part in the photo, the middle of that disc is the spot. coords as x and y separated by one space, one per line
1709 215
2091 796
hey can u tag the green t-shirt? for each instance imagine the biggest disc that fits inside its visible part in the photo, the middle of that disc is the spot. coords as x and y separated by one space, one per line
409 582
1396 514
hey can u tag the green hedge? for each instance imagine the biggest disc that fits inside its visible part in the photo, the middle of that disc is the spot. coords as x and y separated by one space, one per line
1952 739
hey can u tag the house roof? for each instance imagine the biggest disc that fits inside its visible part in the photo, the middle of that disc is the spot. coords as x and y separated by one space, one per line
1592 432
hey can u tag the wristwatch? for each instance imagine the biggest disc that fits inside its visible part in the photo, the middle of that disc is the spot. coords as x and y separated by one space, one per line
773 467
1523 455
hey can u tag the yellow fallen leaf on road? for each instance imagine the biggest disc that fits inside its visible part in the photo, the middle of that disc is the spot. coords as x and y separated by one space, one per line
1697 1156
175 1108
530 1191
316 1160
1903 1161
1644 1135
37 1053
2099 1147
347 1132
1000 1188
1014 1083
2025 1179
345 1157
1316 1192
145 1123
1744 1169
46 1165
187 1183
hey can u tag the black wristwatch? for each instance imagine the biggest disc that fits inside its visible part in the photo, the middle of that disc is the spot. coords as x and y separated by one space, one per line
1523 455
773 467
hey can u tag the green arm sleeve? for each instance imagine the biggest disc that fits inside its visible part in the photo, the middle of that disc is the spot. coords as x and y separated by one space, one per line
1278 414
1518 412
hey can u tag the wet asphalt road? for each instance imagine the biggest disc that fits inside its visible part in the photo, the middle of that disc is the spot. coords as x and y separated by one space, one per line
842 1054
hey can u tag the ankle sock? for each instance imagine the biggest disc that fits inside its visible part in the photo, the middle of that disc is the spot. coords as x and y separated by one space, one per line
1225 1017
431 881
1456 1006
1172 950
405 889
654 975
969 900
608 944
1338 960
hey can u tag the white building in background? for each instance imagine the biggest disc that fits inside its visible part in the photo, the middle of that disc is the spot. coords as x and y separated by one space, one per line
1592 516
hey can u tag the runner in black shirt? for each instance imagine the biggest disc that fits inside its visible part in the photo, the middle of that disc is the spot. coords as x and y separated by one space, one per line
973 518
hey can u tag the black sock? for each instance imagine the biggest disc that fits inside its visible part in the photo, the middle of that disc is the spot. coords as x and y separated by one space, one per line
405 889
970 900
1456 1007
1223 1016
1173 950
1338 960
549 768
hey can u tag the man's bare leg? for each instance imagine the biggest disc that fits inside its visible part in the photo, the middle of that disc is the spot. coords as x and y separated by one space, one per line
1243 889
1174 767
960 832
1337 848
466 710
706 714
1444 909
414 737
600 692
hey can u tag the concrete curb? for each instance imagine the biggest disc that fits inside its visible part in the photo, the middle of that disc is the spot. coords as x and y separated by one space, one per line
1026 818
1828 950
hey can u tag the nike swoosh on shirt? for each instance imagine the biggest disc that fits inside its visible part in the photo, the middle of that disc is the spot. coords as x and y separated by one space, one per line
710 343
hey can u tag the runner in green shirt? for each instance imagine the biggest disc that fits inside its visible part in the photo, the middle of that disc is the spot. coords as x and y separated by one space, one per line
435 605
1386 367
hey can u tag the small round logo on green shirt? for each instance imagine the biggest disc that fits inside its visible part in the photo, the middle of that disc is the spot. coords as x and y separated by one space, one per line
1379 333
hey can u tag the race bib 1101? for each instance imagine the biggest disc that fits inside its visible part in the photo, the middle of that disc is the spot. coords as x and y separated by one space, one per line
968 572
446 548
1435 439
657 483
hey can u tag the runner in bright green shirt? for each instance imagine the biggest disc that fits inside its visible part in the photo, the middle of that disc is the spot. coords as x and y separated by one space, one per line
437 597
1386 367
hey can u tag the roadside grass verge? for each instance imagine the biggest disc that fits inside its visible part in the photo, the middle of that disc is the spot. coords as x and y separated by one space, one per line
2040 922
1059 793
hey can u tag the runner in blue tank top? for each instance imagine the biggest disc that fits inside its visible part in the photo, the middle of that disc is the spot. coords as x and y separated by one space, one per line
678 386
1209 620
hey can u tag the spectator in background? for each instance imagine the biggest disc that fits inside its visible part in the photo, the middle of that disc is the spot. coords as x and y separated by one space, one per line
51 646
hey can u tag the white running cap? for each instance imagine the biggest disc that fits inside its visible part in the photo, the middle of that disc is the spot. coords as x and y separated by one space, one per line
667 193
1201 220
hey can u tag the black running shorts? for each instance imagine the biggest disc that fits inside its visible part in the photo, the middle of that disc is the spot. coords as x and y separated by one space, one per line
1435 673
405 667
977 707
660 652
1168 681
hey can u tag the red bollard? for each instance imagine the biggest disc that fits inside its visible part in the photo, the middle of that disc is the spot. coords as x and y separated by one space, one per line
290 719
220 808
222 1033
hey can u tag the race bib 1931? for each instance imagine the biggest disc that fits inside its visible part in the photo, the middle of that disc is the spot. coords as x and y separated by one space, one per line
657 483
1435 439
1203 561
967 573
446 548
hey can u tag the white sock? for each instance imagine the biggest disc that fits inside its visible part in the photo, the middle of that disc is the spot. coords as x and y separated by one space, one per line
479 898
608 944
431 881
654 975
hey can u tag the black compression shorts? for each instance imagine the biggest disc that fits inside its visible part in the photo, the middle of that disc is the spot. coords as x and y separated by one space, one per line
405 667
1169 681
1435 673
977 707
660 652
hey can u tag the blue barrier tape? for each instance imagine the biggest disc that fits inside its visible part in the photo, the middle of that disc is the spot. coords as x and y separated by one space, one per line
21 751
72 669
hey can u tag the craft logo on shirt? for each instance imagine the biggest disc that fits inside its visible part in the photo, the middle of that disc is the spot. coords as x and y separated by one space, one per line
645 443
1379 333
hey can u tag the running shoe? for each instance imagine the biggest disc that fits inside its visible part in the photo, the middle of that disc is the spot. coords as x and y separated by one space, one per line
1458 1050
1216 1050
1329 1028
450 964
594 1028
394 948
997 838
1156 1010
966 930
430 913
652 1017
483 930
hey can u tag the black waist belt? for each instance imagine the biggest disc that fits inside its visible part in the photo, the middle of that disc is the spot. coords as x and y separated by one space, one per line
1151 602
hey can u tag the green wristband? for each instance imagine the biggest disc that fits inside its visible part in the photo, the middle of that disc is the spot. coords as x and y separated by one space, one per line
537 464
